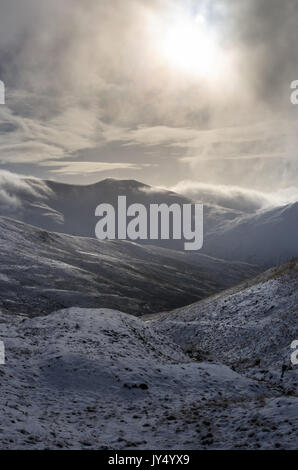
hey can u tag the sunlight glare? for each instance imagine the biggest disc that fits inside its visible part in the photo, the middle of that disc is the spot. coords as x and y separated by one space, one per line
191 46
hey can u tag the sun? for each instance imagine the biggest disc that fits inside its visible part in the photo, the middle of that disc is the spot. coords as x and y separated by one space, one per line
189 44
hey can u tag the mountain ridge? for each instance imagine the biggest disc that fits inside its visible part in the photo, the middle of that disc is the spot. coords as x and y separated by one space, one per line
265 237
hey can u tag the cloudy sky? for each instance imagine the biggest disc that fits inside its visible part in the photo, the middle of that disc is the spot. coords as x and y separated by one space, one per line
162 91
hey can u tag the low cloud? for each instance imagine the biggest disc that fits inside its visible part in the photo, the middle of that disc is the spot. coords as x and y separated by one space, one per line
77 168
234 197
14 190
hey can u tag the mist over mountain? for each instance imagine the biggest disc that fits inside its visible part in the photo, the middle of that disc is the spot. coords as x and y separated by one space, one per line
70 209
264 236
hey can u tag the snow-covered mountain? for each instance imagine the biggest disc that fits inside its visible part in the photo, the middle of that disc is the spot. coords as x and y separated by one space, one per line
265 237
43 271
268 237
214 375
70 209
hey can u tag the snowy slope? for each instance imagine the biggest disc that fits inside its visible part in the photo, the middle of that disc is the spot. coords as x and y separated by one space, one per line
249 328
268 238
41 272
213 375
102 379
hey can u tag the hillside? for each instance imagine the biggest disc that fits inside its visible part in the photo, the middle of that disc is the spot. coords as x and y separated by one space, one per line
268 237
250 327
213 375
43 271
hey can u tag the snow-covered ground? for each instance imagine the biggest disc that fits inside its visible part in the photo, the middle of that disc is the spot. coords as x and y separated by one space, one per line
102 379
208 376
249 327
